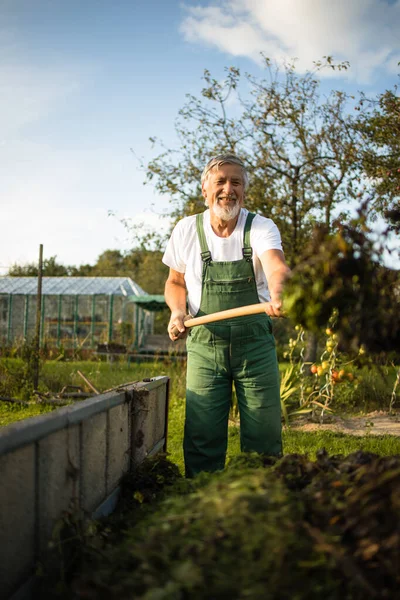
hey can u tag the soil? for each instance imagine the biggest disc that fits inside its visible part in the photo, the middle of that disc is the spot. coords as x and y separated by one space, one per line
373 423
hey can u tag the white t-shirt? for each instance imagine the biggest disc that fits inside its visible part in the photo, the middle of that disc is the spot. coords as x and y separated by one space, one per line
183 251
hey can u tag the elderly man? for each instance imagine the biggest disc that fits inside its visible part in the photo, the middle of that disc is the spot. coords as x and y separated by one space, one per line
225 258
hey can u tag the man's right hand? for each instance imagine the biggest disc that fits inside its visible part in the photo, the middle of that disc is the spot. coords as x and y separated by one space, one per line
176 327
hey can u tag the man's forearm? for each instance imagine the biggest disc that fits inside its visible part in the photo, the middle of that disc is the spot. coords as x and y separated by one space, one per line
276 282
276 272
175 297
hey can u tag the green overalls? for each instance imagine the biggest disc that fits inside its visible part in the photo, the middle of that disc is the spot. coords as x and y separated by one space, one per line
239 350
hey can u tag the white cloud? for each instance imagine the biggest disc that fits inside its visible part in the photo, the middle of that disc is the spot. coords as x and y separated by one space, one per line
238 40
364 32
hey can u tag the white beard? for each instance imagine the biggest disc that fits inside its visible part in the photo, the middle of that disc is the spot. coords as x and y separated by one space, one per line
226 213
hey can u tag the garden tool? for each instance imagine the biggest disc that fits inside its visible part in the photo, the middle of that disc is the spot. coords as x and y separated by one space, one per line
241 311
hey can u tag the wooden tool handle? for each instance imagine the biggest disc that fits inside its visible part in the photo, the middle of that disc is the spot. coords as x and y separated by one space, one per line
241 311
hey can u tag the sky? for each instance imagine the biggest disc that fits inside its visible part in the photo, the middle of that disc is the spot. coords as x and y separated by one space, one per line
85 84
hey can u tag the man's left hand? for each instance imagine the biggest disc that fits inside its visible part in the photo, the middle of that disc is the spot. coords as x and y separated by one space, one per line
274 309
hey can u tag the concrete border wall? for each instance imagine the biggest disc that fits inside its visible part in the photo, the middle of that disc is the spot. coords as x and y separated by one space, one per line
71 460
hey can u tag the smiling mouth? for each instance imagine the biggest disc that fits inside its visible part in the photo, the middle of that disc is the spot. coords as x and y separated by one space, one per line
226 198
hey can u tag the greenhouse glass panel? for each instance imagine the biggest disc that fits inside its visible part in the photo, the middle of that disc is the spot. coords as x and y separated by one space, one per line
4 301
17 319
84 320
76 311
85 310
50 334
67 319
100 333
31 318
101 309
50 319
128 324
117 319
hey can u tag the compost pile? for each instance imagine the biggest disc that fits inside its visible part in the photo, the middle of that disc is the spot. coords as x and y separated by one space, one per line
263 528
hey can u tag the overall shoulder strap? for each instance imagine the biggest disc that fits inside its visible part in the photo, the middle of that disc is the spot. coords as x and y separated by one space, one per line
247 249
205 253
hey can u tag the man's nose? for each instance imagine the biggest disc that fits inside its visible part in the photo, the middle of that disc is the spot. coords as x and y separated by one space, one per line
228 188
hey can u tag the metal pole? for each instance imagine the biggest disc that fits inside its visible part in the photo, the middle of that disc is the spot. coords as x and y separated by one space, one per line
42 323
26 316
76 320
123 317
136 326
59 320
38 320
9 315
110 318
93 319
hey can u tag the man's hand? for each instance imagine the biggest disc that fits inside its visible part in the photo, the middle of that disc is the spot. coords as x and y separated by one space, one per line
274 308
176 322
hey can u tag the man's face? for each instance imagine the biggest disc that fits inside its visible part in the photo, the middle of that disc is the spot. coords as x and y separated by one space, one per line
224 191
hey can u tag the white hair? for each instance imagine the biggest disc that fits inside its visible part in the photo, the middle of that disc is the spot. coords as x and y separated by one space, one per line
222 159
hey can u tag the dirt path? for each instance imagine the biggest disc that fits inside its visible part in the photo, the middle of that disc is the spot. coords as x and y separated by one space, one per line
374 423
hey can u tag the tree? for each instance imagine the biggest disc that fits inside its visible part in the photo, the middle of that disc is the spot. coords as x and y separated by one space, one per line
340 278
51 268
144 266
110 263
301 151
379 124
341 274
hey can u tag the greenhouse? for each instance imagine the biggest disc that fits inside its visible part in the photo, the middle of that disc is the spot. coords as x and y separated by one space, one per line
77 311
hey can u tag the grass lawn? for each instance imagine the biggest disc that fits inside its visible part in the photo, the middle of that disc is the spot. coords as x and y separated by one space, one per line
11 413
55 375
294 441
175 524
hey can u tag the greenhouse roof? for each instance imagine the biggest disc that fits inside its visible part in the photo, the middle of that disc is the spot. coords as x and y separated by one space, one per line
73 286
152 302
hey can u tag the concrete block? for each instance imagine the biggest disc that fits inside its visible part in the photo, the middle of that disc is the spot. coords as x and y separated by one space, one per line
148 420
160 410
118 445
58 480
17 518
155 424
93 461
138 425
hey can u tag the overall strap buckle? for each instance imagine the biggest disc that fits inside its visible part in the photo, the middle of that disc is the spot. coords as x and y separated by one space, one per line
206 257
247 254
